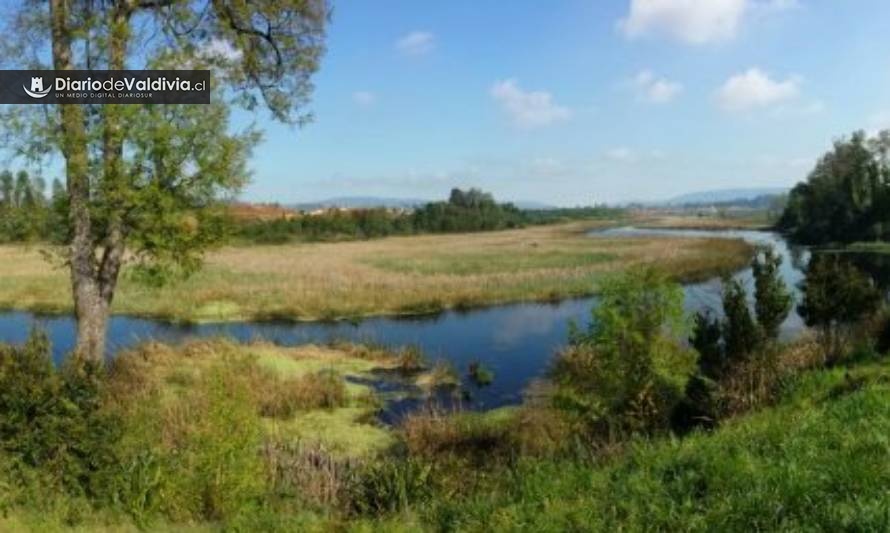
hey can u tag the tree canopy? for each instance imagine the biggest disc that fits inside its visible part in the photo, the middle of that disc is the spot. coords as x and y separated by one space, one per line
846 197
143 180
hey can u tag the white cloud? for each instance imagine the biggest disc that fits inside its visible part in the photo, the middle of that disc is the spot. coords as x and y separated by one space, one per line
754 88
416 43
654 89
528 109
694 21
364 98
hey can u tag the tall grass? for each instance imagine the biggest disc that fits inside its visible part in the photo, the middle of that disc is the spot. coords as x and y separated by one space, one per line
399 275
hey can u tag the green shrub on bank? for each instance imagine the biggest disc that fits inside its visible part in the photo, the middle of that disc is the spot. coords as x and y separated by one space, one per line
626 373
52 419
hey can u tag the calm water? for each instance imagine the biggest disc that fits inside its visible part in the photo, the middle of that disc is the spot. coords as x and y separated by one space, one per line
516 341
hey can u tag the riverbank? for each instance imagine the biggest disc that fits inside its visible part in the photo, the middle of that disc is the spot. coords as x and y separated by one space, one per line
254 436
393 276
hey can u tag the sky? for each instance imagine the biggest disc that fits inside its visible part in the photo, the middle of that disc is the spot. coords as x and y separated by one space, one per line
575 102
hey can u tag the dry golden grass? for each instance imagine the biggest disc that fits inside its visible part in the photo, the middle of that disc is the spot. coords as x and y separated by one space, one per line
705 222
398 275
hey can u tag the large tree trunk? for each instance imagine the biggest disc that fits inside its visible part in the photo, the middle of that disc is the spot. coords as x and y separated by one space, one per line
89 308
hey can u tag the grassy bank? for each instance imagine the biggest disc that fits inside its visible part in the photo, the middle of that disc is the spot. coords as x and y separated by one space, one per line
208 441
399 275
817 461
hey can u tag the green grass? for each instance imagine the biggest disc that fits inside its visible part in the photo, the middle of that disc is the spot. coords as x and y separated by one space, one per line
818 461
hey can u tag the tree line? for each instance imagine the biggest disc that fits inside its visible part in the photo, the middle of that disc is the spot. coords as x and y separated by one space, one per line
846 197
27 213
465 211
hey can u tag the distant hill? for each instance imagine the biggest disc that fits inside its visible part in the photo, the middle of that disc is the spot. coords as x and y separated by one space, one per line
724 196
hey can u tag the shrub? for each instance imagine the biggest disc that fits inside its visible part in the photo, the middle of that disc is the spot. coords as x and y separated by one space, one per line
625 373
772 300
480 374
390 486
741 334
51 419
836 297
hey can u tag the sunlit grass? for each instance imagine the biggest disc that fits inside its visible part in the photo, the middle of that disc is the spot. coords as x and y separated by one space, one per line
399 275
347 429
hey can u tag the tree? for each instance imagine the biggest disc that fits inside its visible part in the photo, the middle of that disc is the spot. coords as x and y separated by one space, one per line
846 197
627 371
741 334
772 300
836 296
707 335
146 178
6 188
23 196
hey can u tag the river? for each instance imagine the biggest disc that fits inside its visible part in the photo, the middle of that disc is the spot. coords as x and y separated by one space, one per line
515 341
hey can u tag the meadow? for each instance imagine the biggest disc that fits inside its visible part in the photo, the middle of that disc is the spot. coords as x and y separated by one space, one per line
396 275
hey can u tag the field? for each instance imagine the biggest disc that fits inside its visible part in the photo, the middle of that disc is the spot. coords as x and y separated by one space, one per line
753 221
398 275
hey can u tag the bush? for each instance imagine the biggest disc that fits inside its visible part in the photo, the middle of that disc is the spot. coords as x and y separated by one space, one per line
391 486
625 373
836 298
52 420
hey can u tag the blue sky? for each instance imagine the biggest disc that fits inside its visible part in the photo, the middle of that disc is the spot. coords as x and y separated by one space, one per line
579 101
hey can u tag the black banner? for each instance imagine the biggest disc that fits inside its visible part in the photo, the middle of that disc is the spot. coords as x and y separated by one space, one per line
104 87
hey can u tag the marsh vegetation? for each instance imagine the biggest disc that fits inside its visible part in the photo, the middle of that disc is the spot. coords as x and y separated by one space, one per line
633 427
397 275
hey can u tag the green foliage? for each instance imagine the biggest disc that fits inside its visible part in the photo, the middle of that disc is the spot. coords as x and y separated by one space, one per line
26 214
737 366
52 420
772 300
197 458
391 486
625 373
480 374
846 197
741 334
814 465
836 297
465 211
706 339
